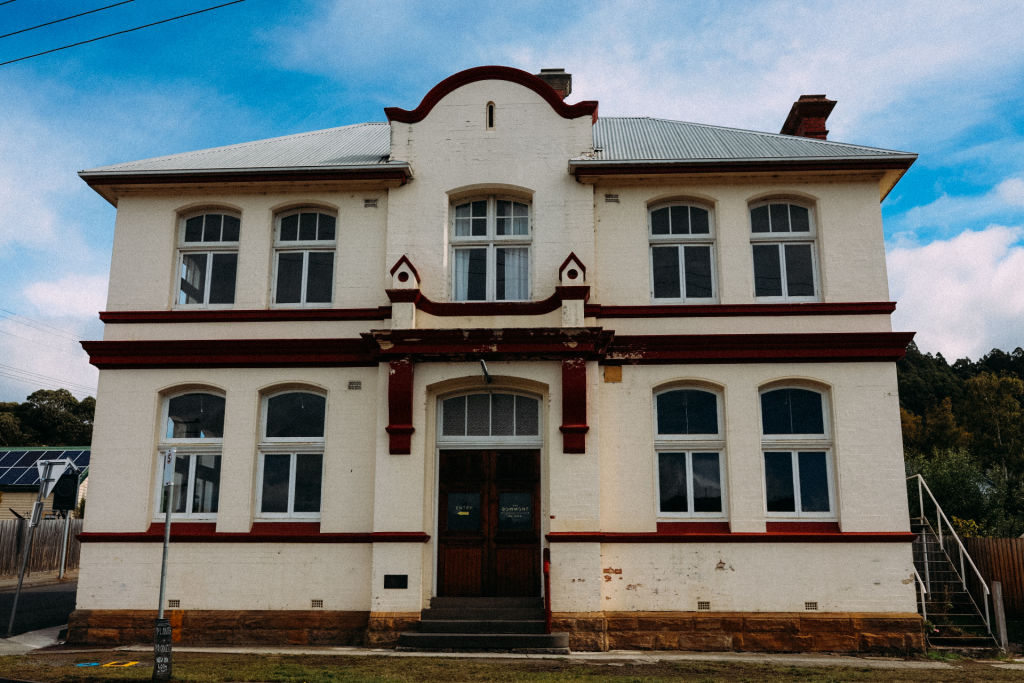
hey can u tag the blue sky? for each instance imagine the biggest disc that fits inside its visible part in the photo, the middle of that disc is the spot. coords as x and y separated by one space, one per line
942 79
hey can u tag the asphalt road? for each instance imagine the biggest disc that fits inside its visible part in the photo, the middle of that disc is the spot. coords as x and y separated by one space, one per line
38 607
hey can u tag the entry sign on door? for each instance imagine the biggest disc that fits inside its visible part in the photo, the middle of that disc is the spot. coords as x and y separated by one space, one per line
515 511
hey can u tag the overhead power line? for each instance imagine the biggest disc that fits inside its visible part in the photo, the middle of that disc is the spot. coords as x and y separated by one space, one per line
36 378
57 21
118 33
38 325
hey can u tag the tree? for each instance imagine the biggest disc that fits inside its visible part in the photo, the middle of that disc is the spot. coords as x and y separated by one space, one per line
993 413
48 417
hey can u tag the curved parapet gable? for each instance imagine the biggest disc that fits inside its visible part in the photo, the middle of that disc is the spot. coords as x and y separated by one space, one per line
485 73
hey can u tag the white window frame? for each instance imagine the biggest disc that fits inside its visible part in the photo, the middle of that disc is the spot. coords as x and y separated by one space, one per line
680 241
190 448
690 444
289 446
492 242
305 247
519 441
209 249
794 444
780 240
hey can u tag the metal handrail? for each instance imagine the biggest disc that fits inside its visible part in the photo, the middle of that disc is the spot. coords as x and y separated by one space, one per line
922 590
940 517
547 590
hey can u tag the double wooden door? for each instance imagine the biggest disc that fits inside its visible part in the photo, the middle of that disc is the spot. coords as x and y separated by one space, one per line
489 523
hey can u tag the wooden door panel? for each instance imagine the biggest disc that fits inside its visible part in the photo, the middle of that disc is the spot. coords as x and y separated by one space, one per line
489 525
462 570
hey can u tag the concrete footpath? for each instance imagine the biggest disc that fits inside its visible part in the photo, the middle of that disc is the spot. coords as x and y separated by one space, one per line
32 643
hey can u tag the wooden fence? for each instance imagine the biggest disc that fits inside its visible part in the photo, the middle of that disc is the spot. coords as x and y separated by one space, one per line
45 545
1002 559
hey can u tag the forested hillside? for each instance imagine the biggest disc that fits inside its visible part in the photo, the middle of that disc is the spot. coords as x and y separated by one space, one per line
49 417
963 429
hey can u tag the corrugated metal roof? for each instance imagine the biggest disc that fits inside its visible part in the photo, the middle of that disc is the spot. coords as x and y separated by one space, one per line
362 144
616 140
620 139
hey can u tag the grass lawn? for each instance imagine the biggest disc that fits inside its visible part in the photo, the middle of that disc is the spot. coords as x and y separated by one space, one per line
57 666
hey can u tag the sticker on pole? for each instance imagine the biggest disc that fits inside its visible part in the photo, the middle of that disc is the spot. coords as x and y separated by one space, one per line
169 467
49 473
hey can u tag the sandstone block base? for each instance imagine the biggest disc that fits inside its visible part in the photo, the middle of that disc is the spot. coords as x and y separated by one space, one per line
754 631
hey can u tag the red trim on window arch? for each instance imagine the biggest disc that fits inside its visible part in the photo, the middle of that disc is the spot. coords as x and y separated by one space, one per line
492 73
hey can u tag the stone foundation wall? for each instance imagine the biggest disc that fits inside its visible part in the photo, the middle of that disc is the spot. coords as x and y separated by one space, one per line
752 631
221 627
383 627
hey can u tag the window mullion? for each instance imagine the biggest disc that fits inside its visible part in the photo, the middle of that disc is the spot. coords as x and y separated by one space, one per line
681 255
190 485
690 507
794 458
293 463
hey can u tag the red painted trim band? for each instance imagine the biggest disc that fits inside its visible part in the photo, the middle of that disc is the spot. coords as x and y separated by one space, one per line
758 348
673 537
528 343
737 310
262 532
248 175
230 353
400 386
244 316
489 73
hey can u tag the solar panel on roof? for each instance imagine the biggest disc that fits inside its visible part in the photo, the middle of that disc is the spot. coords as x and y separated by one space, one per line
29 459
29 476
8 458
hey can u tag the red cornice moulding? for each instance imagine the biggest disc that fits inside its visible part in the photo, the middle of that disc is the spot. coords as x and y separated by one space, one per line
230 353
443 309
246 315
739 310
699 537
488 308
495 73
261 532
548 343
758 348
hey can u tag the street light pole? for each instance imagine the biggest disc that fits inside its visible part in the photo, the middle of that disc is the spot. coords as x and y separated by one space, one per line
33 522
162 643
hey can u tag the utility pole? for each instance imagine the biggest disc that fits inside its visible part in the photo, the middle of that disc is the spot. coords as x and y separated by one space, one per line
162 642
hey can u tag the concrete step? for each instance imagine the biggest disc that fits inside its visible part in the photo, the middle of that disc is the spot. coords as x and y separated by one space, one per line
557 643
482 626
482 613
480 603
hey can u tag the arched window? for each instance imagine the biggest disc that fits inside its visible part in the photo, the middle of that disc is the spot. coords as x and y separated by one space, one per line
207 259
194 431
682 253
689 446
785 263
490 239
797 453
291 454
304 242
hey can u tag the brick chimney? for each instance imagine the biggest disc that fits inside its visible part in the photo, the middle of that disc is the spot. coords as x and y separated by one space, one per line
560 81
807 117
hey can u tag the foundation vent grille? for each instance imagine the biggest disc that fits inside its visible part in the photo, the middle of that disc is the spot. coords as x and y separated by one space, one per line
811 606
316 604
174 603
369 203
703 605
611 198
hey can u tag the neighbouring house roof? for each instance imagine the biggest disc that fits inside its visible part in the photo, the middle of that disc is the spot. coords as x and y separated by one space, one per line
18 465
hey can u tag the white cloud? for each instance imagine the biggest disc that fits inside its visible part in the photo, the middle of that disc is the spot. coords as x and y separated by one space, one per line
73 296
39 354
950 212
963 296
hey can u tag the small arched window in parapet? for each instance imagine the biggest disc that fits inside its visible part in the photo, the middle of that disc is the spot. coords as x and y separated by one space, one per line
490 116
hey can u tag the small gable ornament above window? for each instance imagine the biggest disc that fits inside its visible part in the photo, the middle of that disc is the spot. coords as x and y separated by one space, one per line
404 274
572 271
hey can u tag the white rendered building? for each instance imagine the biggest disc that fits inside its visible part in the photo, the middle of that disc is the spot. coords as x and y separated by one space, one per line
406 360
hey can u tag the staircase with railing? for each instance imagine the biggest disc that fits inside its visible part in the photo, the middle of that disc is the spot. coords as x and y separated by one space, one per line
954 598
